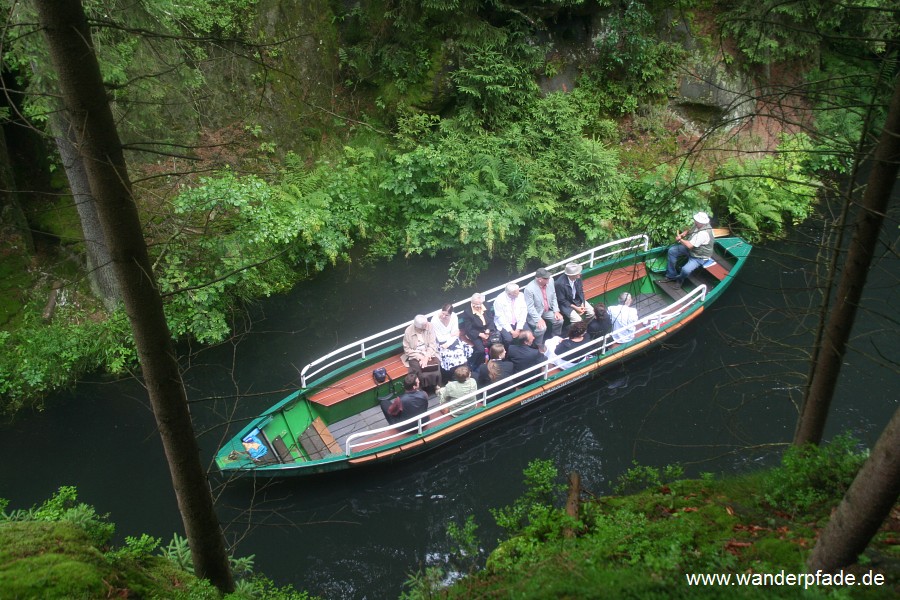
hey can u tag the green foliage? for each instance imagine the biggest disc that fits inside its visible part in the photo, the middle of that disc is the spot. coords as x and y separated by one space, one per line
466 546
423 585
633 65
535 511
241 239
810 476
495 74
136 549
667 199
762 194
178 551
839 127
58 550
63 506
640 477
643 545
206 17
774 30
37 358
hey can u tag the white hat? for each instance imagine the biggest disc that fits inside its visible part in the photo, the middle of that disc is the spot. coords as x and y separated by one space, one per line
702 218
573 269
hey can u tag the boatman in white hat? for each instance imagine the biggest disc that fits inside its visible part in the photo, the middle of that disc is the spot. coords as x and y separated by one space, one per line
696 244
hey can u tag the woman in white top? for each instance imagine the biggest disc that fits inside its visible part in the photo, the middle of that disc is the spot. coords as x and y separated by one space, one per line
623 315
451 350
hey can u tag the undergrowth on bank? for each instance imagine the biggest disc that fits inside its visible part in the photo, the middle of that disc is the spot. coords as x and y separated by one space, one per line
61 549
645 544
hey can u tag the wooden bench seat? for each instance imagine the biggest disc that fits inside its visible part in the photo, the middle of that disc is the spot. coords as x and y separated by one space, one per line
717 267
358 382
600 284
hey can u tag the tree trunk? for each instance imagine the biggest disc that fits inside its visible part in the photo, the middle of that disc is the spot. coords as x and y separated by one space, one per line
99 263
11 212
71 50
865 506
824 375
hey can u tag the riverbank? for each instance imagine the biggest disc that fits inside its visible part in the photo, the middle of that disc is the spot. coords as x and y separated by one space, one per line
687 539
684 538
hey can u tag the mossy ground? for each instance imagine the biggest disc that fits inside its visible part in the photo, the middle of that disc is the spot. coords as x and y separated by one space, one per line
58 560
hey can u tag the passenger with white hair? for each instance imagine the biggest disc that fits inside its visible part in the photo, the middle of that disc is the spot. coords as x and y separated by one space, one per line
420 353
695 244
510 314
623 317
478 325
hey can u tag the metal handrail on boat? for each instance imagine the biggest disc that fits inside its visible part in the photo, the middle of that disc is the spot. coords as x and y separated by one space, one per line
481 396
361 349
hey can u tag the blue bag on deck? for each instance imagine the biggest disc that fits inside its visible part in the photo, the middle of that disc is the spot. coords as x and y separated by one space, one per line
254 446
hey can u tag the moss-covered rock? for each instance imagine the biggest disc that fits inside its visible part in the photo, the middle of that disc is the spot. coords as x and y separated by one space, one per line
47 561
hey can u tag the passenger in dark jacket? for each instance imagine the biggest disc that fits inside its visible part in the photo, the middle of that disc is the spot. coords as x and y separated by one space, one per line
413 401
578 338
478 325
523 355
570 295
496 368
601 324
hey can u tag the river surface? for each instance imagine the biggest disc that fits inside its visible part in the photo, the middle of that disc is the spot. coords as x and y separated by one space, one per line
720 397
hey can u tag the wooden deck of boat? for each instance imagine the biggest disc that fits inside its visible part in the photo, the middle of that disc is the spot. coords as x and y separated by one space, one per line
372 418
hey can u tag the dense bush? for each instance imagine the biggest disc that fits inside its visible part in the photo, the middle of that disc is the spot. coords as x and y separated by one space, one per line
644 544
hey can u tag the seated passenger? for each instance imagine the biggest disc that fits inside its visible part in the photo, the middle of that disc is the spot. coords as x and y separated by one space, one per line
601 324
420 353
543 309
523 355
695 245
570 294
478 325
496 368
413 401
452 351
623 315
463 383
510 314
578 338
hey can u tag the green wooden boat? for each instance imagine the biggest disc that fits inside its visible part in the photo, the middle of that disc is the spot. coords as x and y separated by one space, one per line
335 422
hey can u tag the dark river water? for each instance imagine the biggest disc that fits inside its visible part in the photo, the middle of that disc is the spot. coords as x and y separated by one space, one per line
720 397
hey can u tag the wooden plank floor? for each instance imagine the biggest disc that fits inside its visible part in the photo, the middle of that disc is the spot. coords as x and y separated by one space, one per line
372 418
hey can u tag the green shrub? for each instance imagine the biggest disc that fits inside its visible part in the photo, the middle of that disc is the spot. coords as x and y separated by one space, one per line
813 475
37 358
640 477
63 506
761 195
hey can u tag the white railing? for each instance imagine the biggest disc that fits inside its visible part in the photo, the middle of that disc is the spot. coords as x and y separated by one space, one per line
480 397
366 346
